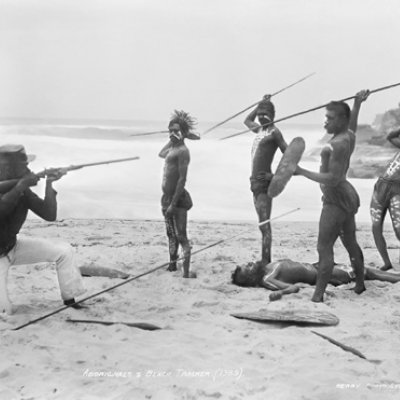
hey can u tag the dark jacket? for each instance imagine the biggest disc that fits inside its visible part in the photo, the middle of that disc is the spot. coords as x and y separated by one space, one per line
14 208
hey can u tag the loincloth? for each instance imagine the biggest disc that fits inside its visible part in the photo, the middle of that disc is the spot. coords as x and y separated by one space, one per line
259 185
184 201
384 190
343 196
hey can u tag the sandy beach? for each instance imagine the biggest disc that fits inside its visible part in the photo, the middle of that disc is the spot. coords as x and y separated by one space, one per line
96 81
201 352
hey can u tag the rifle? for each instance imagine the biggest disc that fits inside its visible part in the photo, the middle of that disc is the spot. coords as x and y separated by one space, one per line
5 186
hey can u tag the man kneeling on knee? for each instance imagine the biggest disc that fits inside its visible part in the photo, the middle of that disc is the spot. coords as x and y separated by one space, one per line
16 198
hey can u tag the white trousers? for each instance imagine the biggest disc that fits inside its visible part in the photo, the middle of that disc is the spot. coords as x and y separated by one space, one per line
32 251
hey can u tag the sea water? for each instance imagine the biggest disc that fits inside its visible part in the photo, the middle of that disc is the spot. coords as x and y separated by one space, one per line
218 177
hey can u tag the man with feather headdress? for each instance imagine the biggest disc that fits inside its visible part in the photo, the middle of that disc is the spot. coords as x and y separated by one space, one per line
176 200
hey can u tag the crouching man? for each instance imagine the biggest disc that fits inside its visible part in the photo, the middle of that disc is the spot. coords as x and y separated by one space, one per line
16 198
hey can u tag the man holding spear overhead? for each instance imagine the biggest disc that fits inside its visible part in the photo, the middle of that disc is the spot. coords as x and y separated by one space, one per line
14 205
176 200
340 199
268 139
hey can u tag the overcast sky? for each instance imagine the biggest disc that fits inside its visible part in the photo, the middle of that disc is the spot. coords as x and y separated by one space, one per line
140 59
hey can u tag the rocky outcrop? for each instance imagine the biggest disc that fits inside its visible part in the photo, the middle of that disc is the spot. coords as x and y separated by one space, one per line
387 121
372 153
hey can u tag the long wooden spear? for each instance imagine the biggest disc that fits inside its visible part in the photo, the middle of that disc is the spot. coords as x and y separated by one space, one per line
307 111
255 104
147 272
147 133
141 325
346 347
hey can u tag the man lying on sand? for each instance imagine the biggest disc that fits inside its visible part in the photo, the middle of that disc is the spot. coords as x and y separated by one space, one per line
15 202
287 276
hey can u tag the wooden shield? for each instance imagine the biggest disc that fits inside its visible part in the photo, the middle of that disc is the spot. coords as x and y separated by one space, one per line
287 166
300 316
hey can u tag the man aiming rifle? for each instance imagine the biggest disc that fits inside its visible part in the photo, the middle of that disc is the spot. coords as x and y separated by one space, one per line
16 199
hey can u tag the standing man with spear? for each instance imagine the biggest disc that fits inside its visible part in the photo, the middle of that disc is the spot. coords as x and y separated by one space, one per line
176 200
340 199
268 139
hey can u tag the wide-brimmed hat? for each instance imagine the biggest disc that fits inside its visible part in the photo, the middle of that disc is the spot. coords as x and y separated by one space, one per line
15 152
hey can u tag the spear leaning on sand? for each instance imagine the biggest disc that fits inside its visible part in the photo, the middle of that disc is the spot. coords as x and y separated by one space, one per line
5 186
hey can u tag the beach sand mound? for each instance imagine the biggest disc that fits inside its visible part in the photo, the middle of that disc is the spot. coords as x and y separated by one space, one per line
201 352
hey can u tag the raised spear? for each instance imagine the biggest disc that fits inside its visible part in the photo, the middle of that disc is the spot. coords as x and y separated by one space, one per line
307 111
258 102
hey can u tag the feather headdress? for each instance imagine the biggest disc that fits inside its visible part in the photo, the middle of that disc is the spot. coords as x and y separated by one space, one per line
186 123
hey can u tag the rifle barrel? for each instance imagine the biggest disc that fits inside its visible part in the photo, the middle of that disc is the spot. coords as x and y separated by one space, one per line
5 186
79 166
104 162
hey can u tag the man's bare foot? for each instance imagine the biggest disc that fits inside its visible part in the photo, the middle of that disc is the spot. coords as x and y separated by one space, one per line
317 299
72 303
172 267
358 289
386 267
190 275
275 296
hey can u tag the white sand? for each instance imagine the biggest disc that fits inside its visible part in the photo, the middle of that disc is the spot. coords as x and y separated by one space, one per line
232 358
